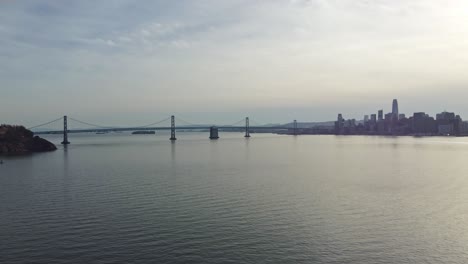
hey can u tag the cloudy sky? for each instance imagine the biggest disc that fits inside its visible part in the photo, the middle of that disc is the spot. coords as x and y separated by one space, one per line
134 62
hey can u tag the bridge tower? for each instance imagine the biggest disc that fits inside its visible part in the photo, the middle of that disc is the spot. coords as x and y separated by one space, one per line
173 129
295 127
247 128
65 131
214 132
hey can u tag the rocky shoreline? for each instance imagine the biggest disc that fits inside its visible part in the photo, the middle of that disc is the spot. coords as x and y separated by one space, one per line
15 140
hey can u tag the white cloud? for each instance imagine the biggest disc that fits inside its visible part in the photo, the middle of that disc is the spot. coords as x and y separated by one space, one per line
238 54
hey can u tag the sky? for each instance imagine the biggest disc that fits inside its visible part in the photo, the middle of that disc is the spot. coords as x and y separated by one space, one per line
210 61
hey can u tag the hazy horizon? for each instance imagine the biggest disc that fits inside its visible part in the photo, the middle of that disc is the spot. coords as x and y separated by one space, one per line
129 62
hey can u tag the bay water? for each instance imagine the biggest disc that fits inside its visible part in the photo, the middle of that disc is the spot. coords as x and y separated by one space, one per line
121 198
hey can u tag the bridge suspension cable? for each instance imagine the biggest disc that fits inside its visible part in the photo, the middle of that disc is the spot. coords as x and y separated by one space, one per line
89 124
46 123
256 123
236 123
156 123
110 127
186 122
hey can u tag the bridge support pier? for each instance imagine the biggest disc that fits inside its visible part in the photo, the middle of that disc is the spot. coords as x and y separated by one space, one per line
247 128
65 131
295 127
173 137
214 133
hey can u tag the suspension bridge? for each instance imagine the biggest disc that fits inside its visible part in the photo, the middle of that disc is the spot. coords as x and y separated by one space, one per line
242 125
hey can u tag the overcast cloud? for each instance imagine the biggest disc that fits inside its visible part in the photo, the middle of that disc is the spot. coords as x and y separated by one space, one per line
133 62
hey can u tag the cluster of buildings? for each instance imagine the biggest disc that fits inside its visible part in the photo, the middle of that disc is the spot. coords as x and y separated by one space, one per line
395 123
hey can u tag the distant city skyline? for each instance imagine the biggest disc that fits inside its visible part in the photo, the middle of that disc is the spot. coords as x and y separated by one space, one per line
396 123
134 62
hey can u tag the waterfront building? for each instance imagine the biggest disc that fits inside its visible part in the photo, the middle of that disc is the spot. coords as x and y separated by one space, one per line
418 122
389 122
448 123
350 127
424 124
446 129
445 116
388 117
339 124
464 128
458 125
381 127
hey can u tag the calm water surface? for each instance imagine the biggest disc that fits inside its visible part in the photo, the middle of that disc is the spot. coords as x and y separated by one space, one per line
118 198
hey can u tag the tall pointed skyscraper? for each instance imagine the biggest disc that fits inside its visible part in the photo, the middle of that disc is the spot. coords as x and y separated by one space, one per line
395 108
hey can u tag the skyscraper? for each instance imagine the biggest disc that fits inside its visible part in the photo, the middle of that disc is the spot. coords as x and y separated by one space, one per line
339 124
340 117
395 108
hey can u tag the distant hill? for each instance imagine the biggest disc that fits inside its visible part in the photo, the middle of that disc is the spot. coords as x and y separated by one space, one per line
325 124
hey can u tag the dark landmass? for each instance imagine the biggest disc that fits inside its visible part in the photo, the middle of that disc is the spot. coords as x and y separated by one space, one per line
19 140
144 132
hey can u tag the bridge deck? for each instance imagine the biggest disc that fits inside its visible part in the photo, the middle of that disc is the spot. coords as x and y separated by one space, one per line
226 128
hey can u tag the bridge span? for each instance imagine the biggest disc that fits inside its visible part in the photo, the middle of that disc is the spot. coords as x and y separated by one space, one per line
213 129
